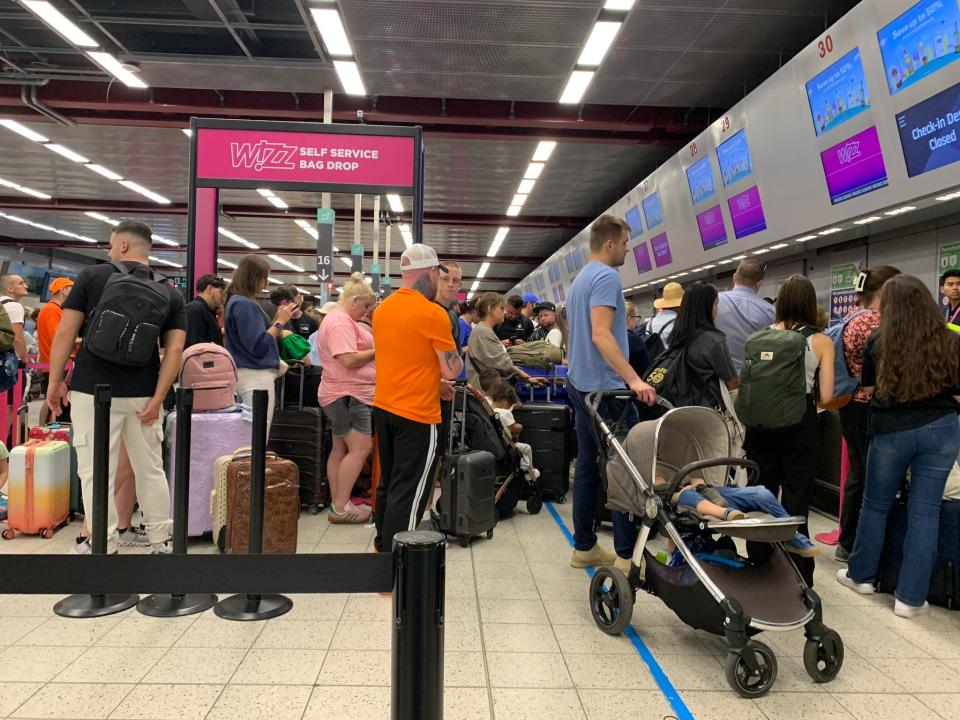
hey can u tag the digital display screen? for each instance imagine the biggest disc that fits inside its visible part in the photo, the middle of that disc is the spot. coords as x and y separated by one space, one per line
746 212
919 43
733 155
713 232
928 132
700 180
633 220
571 268
854 167
652 210
577 258
839 93
661 250
541 283
642 255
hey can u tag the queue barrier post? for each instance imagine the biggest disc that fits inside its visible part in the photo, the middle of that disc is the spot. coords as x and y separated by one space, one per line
249 606
89 606
418 625
179 605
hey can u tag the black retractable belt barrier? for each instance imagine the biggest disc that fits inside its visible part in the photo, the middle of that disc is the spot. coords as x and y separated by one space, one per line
87 606
180 604
250 606
418 626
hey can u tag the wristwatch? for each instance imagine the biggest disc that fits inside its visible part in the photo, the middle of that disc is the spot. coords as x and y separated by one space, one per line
278 326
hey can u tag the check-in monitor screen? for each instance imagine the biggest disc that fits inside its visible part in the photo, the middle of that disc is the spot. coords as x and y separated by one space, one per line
733 155
920 43
700 180
839 93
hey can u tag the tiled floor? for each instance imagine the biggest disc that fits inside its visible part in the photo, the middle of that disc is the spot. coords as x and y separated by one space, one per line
520 644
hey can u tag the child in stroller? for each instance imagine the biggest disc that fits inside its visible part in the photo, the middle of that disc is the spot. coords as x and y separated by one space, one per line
733 503
504 400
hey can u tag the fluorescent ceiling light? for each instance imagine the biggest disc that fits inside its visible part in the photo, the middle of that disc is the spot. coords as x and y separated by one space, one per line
705 267
866 220
163 241
312 232
618 5
761 251
518 200
156 197
476 284
900 210
266 192
59 23
101 217
681 274
672 277
18 219
302 223
277 202
349 75
187 131
739 257
942 198
67 153
287 263
470 295
396 203
830 231
483 270
165 262
106 172
726 262
533 171
544 150
806 237
236 238
600 40
331 29
24 131
227 263
497 241
41 226
24 190
113 66
576 86
513 210
778 246
347 261
275 281
526 186
407 235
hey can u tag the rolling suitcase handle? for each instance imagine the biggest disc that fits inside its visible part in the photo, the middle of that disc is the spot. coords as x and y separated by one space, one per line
283 385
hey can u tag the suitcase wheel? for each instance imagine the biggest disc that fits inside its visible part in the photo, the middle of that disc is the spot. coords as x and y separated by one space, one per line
534 504
490 534
8 534
314 509
561 499
46 533
464 542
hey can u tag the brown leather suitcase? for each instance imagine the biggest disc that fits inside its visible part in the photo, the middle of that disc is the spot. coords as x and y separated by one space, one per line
281 511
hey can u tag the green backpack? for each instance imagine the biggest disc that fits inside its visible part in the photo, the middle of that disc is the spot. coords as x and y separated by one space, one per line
536 353
6 329
773 380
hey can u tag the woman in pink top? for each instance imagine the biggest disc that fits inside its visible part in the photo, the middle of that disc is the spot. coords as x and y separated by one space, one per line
346 394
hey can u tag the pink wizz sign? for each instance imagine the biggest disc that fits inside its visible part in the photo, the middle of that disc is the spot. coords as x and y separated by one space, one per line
322 158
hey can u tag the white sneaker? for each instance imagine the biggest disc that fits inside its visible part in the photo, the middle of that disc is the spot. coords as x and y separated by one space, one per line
901 609
135 536
83 547
847 581
164 548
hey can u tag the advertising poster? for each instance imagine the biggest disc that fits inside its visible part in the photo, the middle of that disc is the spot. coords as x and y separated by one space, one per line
928 132
734 158
843 298
700 180
652 210
642 255
839 93
746 212
713 233
921 42
661 250
948 259
854 167
633 220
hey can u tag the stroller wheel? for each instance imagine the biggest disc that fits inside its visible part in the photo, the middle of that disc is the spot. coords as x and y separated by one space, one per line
611 600
534 504
752 683
823 658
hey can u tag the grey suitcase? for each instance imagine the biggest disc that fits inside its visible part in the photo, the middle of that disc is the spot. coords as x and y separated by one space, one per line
467 488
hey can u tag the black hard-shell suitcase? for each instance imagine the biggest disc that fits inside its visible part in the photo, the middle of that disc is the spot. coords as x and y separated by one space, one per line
309 377
302 434
945 580
467 488
547 428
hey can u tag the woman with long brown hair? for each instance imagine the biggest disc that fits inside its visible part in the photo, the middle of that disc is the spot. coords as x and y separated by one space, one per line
911 365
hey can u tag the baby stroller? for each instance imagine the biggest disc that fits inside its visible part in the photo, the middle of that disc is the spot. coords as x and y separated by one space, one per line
484 432
724 593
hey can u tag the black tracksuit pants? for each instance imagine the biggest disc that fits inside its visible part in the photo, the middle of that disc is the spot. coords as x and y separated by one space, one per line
408 452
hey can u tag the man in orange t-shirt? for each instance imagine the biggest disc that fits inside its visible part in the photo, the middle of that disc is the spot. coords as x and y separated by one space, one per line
415 349
47 322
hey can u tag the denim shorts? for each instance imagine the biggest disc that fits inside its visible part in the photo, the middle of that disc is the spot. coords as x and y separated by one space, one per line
348 413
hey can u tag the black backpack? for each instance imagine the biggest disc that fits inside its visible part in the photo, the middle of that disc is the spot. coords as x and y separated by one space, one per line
127 322
654 343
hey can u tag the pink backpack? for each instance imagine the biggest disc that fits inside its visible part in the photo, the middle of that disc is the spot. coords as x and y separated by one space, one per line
210 372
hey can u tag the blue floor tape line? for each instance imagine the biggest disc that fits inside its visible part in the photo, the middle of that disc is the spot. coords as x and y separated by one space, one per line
659 676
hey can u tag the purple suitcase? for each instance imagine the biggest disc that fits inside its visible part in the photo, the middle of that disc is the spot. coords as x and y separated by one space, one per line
212 435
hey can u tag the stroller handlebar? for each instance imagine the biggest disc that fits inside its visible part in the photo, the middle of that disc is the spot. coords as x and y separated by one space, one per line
594 399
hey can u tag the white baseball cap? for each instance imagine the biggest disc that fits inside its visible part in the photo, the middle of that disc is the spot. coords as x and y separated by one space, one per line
418 257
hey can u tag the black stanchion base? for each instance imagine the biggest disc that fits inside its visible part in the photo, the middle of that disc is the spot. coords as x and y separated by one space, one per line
253 607
176 605
91 606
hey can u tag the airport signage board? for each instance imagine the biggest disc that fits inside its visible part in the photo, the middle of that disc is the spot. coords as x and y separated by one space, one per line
854 166
746 212
928 132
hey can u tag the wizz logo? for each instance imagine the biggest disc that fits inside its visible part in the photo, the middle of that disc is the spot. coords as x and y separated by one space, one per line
273 156
849 152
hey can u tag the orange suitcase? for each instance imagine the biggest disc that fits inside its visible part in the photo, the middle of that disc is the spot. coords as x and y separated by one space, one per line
38 488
